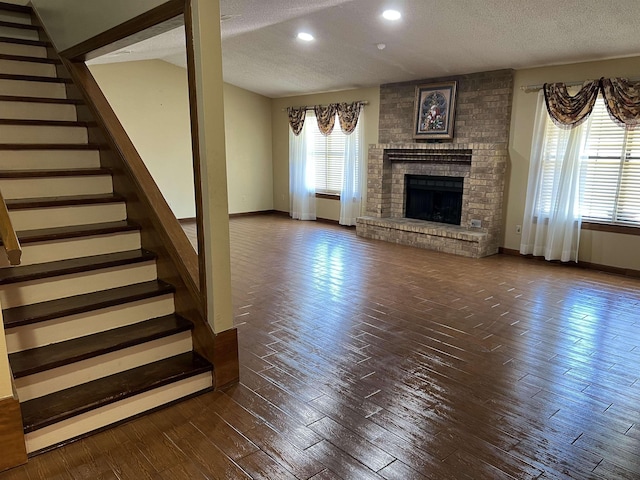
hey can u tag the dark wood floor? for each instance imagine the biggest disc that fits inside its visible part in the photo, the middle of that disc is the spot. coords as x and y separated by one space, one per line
362 359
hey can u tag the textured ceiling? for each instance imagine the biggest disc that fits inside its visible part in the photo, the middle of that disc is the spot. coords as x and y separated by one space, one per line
434 38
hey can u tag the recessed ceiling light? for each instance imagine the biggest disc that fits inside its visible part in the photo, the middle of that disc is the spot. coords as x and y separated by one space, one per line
391 15
307 37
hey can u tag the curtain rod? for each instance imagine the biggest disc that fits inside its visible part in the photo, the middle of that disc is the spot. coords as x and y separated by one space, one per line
307 107
535 88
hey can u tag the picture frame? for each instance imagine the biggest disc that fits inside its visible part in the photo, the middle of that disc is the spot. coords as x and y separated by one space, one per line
434 111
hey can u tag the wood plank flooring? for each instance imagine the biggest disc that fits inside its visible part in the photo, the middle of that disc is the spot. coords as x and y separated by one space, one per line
362 359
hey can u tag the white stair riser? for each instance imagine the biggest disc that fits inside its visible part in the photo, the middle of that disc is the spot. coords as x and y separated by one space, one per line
27 293
48 159
21 33
115 412
16 188
15 17
16 67
37 111
75 326
42 134
33 218
67 376
23 50
22 88
64 249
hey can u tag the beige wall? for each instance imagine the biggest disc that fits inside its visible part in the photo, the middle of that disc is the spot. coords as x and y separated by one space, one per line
247 125
151 99
70 22
610 249
329 209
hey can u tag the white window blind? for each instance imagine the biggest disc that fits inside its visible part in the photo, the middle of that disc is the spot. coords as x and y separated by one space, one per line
328 155
551 155
610 170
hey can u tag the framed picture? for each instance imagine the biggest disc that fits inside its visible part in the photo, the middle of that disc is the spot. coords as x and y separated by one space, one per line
435 109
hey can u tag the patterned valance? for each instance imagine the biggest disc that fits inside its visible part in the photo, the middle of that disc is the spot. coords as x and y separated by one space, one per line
326 116
296 119
621 96
568 111
348 114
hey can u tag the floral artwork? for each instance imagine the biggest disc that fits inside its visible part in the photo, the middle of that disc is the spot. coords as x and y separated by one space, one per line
434 111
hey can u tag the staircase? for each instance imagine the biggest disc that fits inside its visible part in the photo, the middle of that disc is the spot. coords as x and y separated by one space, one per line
92 333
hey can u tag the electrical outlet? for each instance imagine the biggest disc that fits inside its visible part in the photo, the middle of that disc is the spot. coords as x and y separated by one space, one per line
518 229
476 223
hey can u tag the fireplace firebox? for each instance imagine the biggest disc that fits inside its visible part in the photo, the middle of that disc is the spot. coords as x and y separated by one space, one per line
434 198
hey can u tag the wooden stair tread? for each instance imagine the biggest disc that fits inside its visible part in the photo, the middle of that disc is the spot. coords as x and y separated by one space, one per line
45 123
15 8
74 231
49 146
74 265
33 78
43 202
35 360
22 26
22 41
62 307
25 58
70 172
63 101
49 409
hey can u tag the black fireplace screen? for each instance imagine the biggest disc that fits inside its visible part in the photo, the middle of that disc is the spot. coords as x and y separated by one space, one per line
435 199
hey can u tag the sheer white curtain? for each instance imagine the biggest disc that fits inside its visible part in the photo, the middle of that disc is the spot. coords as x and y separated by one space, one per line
351 194
551 225
302 188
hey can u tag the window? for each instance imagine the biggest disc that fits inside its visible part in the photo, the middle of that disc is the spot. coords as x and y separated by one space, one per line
327 154
610 169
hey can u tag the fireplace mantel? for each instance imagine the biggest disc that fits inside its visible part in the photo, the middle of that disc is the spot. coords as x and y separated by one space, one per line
453 156
482 165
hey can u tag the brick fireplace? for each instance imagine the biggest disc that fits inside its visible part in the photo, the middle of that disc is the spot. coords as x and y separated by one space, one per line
478 154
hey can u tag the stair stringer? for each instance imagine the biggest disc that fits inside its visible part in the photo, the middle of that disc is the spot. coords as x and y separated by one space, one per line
161 232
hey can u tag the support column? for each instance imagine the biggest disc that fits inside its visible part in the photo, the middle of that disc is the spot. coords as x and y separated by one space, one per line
205 17
204 54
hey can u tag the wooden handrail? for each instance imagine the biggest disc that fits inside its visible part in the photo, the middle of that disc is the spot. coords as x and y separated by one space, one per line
8 234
